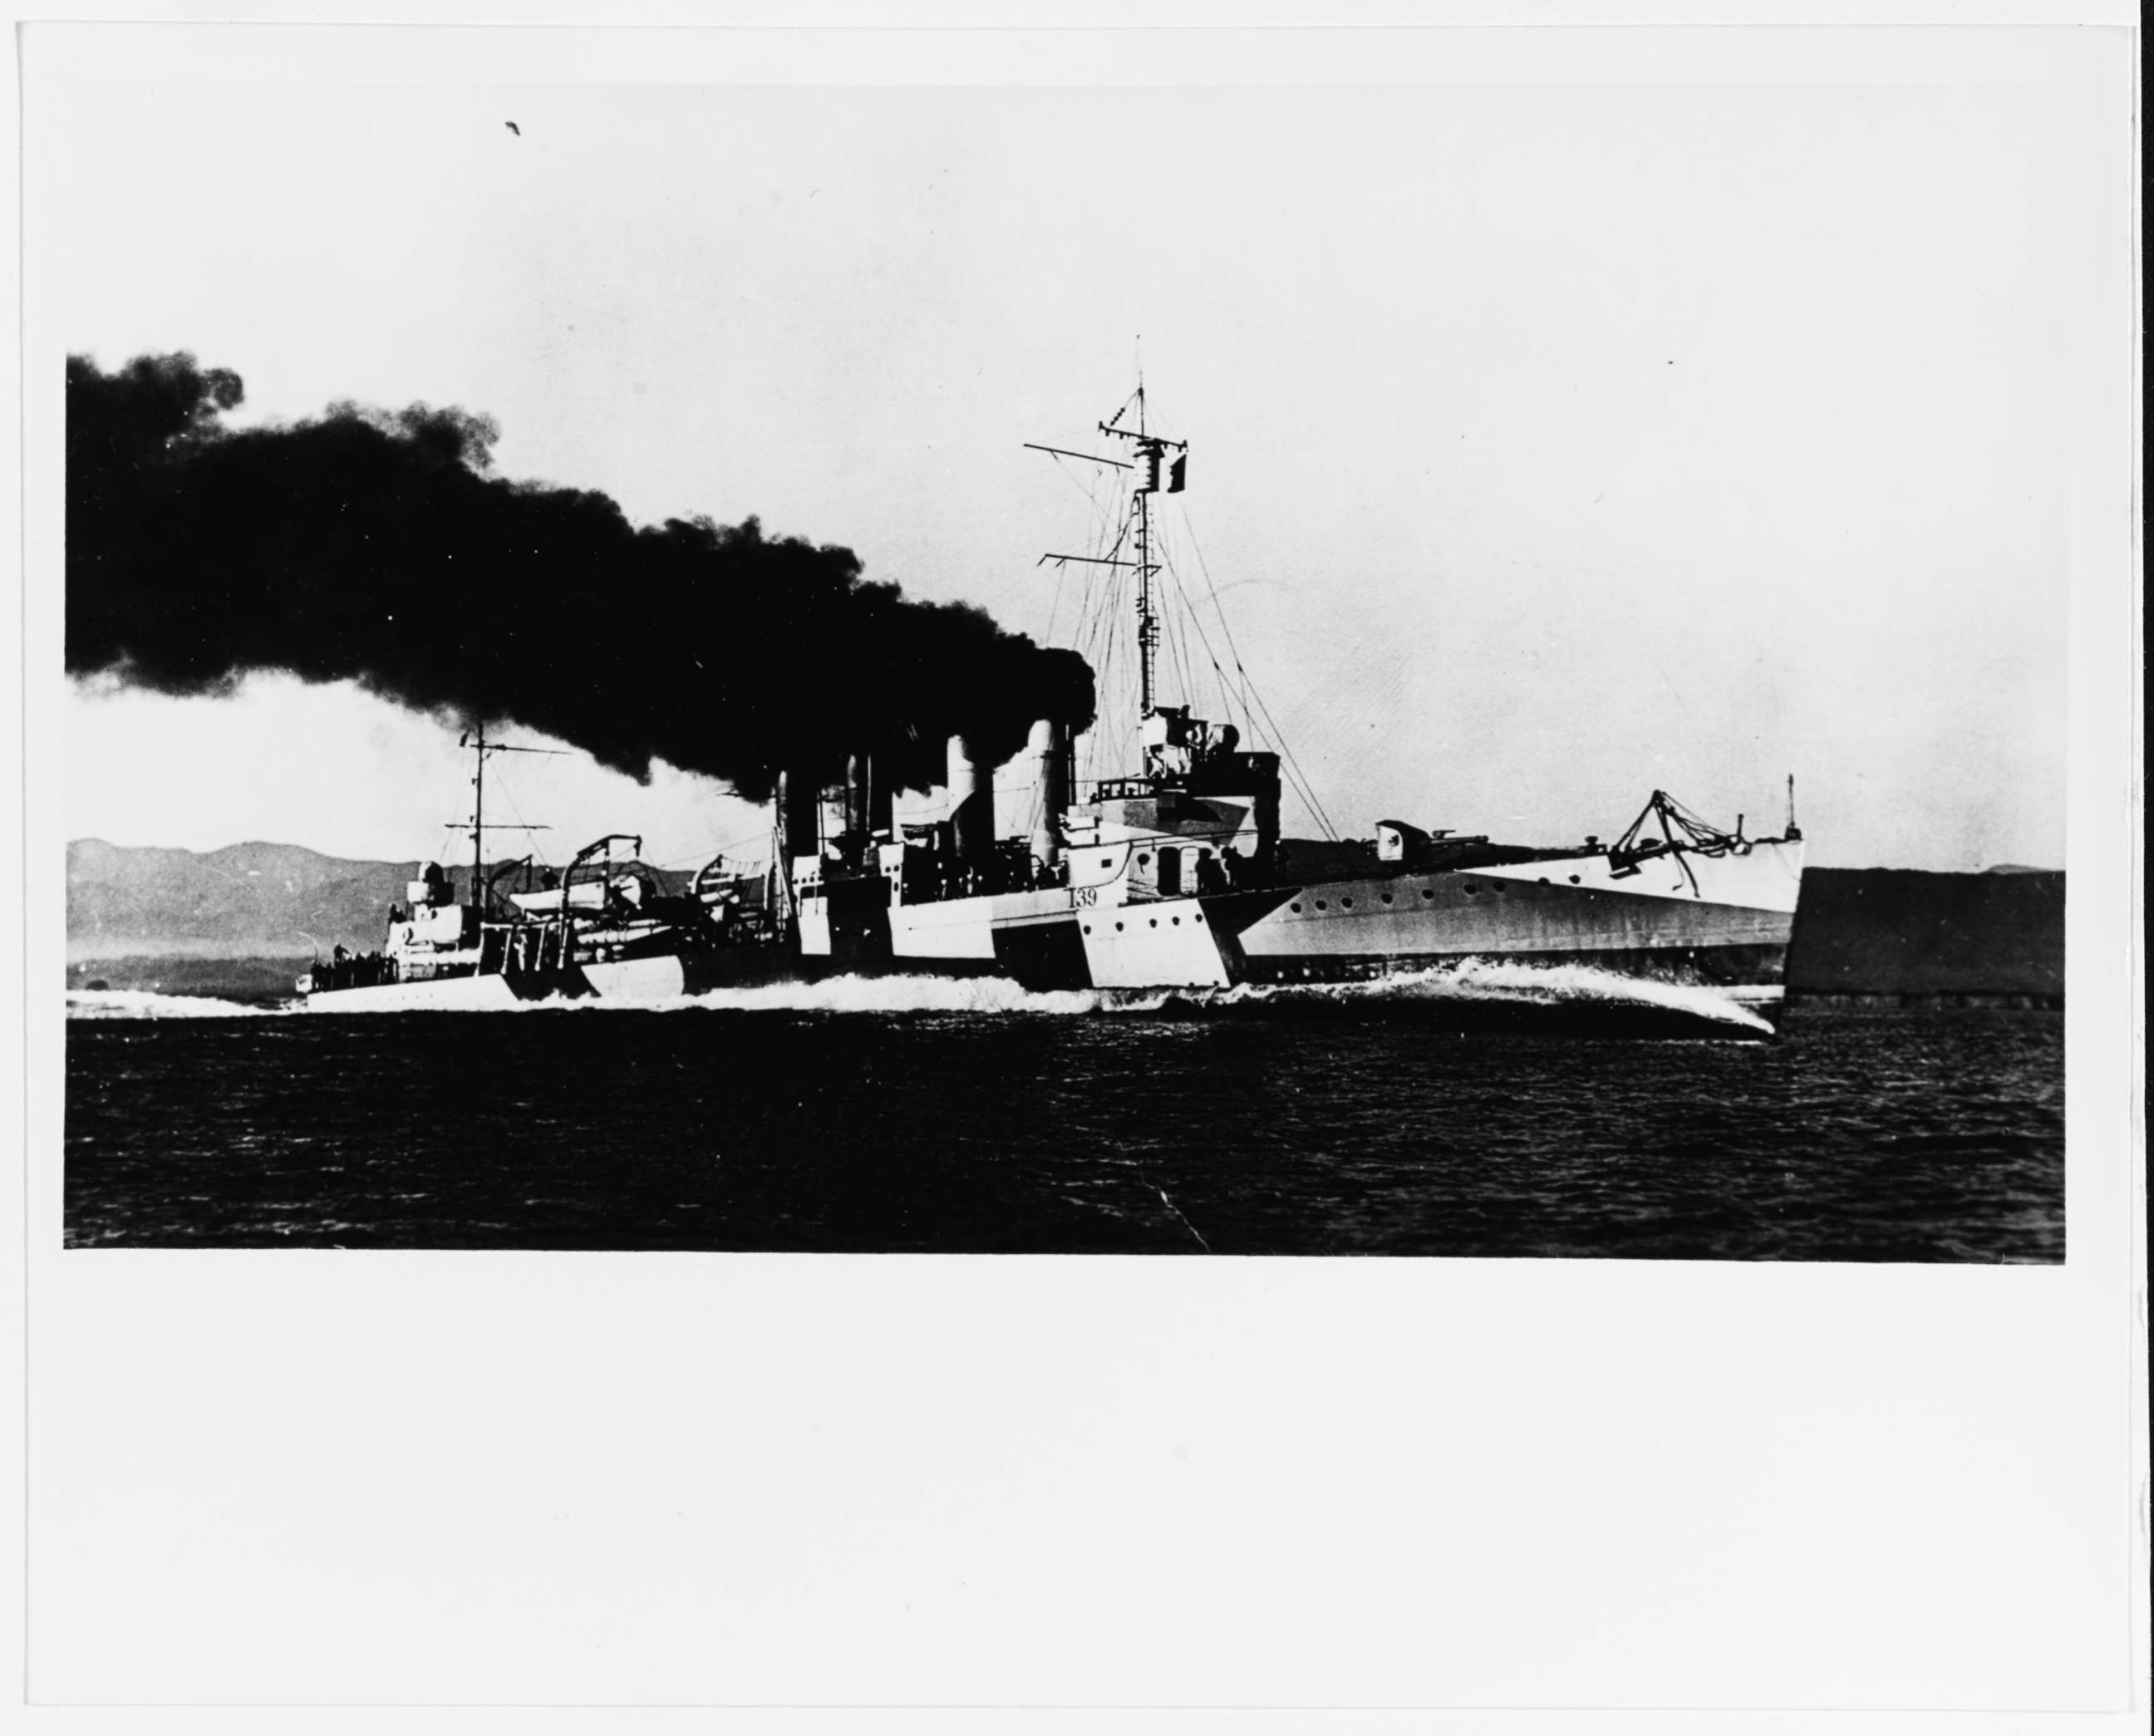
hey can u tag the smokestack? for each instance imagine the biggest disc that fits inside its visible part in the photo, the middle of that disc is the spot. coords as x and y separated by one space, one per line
1049 753
800 824
972 786
856 793
877 771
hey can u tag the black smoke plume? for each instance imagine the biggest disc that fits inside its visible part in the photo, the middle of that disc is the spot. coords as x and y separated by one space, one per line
373 546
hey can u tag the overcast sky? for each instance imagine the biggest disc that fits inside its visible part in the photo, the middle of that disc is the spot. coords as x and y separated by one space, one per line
1549 444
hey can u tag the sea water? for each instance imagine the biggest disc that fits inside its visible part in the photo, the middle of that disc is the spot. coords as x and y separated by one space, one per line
1487 1112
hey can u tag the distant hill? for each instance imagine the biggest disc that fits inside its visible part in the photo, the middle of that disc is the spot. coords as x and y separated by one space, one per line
246 901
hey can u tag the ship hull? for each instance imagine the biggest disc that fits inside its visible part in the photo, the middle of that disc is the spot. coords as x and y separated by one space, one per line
1715 919
1722 920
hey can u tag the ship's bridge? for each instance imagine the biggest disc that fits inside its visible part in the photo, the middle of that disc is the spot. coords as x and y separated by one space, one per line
1202 816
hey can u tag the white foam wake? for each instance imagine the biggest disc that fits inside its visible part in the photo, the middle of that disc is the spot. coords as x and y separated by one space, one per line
1469 980
1483 979
865 994
147 1003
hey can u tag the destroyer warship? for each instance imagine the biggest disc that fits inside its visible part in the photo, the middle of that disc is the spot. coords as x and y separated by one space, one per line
1171 874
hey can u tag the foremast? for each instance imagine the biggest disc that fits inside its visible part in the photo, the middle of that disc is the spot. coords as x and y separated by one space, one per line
1149 450
1155 473
1198 813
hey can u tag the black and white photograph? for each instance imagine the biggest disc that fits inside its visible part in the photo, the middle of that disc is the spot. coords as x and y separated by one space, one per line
1095 671
1369 667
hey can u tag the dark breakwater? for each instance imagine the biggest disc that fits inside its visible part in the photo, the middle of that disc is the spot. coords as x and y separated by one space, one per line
1895 931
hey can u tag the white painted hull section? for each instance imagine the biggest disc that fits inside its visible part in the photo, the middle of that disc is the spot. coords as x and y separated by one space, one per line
439 994
954 928
964 928
634 980
1168 943
638 979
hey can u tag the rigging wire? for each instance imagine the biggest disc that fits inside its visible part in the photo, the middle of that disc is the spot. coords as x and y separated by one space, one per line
504 790
1102 746
1175 633
1055 607
1296 779
1111 598
1249 687
1103 634
505 793
1091 491
697 858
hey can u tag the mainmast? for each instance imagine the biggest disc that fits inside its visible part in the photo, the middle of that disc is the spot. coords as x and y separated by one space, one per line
475 739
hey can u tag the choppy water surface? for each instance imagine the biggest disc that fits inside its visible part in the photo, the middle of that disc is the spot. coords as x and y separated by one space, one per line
1481 1113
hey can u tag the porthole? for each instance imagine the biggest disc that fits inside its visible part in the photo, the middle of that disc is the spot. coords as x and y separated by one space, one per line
1196 915
1088 928
1574 880
1544 879
1295 908
1319 904
1118 928
1144 859
1473 890
1428 891
1177 921
1155 922
1345 904
1387 897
